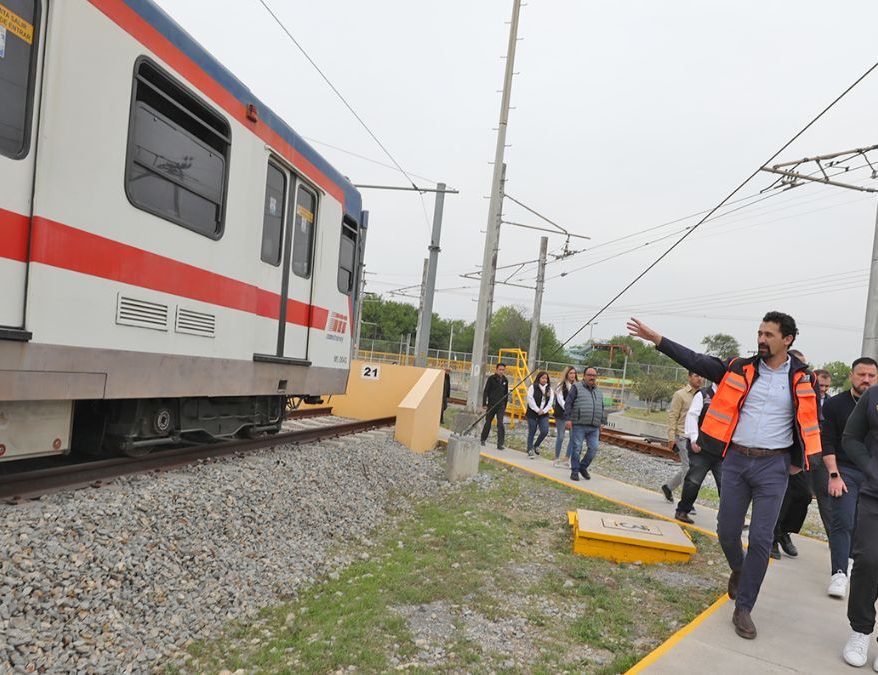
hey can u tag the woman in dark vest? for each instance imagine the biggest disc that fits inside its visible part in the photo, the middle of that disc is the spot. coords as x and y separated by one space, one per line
561 392
540 399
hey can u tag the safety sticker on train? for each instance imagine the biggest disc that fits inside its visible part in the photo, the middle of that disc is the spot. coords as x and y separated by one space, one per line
10 21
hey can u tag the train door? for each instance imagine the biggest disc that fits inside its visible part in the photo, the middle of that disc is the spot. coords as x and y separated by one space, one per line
288 242
295 332
20 22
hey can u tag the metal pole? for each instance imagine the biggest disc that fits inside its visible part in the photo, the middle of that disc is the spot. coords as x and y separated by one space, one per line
450 342
418 337
422 344
870 329
361 301
538 303
492 236
624 374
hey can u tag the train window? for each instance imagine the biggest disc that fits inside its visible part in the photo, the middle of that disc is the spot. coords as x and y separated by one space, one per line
178 151
18 56
303 234
347 258
272 222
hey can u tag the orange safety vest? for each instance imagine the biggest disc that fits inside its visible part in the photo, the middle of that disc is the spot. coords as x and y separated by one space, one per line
722 416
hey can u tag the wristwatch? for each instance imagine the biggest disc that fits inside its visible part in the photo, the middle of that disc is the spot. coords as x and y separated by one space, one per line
834 474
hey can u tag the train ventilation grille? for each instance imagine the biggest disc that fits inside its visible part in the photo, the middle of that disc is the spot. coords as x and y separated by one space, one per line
195 323
141 313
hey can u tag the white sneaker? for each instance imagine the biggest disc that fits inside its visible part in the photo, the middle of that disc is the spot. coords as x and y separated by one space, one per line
856 651
838 586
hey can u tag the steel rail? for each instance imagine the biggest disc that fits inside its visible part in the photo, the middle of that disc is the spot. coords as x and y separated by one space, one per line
30 484
308 412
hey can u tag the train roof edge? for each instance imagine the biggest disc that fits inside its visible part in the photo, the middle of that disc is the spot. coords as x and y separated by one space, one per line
156 17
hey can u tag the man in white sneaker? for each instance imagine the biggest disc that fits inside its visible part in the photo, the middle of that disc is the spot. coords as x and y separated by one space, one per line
860 443
843 475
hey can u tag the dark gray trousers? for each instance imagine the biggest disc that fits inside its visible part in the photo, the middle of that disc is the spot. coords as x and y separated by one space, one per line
762 481
864 575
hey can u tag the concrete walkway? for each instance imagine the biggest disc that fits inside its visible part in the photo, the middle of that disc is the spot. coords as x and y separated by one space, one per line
801 629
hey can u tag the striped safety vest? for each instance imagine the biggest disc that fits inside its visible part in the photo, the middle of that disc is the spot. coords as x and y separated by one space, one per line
722 416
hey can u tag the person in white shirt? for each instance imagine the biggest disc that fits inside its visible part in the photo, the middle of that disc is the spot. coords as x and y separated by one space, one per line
540 400
704 455
561 392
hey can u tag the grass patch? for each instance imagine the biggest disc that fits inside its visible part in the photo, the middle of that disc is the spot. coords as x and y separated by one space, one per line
658 416
479 579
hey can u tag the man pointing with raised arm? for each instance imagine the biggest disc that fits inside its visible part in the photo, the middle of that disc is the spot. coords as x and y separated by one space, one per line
764 414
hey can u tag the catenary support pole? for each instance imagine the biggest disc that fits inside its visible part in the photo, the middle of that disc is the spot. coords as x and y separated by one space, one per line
421 308
534 347
492 236
870 329
422 341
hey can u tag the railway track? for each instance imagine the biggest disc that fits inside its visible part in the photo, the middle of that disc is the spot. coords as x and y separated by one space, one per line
637 443
628 441
15 487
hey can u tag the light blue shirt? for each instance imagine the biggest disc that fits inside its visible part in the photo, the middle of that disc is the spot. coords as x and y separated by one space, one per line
766 419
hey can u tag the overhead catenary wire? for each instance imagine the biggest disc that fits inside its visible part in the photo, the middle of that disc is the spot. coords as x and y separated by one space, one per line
695 227
365 158
338 93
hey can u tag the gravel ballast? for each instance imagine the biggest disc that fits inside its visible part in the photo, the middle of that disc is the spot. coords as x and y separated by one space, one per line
122 578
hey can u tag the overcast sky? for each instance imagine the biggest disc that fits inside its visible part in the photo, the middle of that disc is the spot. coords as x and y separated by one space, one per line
627 115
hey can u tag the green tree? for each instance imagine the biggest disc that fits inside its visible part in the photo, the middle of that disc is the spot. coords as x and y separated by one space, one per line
550 345
392 320
654 390
721 345
509 329
840 372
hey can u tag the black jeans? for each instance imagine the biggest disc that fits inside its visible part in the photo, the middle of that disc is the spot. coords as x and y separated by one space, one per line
864 575
699 464
794 509
498 411
819 487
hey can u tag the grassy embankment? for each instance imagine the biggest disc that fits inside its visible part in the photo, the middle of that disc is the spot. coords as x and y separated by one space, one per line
480 579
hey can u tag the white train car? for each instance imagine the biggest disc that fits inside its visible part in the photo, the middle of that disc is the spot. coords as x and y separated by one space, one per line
174 258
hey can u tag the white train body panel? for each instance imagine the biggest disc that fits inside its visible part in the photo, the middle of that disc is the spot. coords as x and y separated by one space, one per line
104 299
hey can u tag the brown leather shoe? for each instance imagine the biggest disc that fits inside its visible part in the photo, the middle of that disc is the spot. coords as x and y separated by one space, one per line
733 583
743 624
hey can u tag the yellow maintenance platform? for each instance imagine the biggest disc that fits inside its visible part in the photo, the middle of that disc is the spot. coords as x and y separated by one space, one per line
627 538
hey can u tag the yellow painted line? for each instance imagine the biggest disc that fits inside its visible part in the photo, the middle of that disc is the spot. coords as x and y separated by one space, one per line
666 646
573 485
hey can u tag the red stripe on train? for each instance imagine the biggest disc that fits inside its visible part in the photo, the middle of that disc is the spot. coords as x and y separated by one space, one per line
132 23
13 235
68 248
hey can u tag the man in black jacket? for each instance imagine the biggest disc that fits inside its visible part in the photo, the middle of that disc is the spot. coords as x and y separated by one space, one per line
494 400
844 478
860 444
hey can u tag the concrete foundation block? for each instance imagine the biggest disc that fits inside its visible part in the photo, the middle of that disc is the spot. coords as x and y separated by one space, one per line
462 458
464 421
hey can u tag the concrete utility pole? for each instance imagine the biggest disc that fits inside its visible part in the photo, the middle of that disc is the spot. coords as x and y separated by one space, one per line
423 295
422 341
492 237
870 329
538 304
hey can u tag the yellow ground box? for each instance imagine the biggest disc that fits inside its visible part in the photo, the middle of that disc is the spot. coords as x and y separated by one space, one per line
628 538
